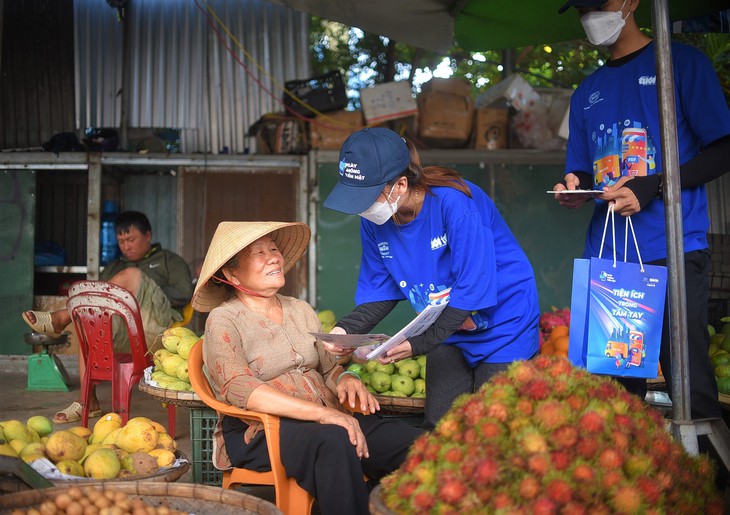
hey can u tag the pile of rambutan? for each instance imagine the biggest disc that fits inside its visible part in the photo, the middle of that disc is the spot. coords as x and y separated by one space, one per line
547 437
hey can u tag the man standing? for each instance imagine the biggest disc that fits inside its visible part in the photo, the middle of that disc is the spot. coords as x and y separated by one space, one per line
614 146
160 280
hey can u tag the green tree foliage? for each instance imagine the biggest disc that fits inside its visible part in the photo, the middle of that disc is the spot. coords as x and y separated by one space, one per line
368 59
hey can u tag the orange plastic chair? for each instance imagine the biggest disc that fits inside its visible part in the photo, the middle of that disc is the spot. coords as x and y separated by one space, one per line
92 305
291 498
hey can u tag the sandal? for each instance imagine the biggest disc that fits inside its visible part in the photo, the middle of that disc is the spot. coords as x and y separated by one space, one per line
42 324
73 414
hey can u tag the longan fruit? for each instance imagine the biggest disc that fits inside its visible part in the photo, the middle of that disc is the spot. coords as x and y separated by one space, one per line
75 508
62 501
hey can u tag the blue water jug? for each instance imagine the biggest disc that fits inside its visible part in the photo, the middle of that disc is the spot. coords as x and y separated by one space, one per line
108 238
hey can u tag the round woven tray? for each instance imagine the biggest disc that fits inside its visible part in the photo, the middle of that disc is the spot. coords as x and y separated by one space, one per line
185 497
401 405
377 506
160 476
178 398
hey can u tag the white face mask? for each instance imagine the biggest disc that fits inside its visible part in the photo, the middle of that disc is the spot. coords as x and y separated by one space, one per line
380 212
603 27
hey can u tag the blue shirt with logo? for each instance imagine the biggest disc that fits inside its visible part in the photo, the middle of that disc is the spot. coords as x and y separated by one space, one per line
615 131
462 244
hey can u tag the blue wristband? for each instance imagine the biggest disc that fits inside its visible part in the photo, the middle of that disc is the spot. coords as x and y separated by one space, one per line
349 373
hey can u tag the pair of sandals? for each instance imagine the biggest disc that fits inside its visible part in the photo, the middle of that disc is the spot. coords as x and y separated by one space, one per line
44 325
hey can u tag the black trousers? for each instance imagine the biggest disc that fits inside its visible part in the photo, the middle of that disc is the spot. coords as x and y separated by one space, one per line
702 384
322 459
448 376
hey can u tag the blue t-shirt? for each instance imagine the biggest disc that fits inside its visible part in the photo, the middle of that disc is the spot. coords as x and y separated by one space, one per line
462 244
615 131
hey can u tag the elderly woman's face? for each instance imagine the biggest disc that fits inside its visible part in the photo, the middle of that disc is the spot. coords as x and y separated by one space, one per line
261 266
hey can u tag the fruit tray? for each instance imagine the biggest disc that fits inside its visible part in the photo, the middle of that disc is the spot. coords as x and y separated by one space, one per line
163 475
176 397
400 405
185 497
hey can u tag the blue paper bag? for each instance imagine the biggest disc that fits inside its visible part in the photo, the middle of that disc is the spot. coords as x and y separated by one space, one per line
617 310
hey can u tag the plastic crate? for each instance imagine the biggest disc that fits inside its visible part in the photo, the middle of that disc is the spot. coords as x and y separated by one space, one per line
717 309
202 426
323 92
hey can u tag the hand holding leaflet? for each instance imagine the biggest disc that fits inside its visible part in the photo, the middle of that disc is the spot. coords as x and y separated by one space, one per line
351 340
418 325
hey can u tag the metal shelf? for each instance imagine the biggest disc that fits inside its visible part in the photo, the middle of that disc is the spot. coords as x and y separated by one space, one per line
61 269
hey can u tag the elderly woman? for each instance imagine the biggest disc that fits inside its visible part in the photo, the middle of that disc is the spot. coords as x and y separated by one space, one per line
259 355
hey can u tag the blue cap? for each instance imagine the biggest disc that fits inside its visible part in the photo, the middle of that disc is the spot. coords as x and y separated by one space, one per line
369 158
581 3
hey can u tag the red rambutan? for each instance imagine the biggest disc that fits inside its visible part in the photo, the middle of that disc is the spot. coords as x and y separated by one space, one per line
451 491
540 464
491 429
625 500
650 491
584 473
498 411
486 472
543 505
453 454
561 459
536 390
551 414
559 491
423 502
610 459
587 447
564 437
524 407
529 487
591 422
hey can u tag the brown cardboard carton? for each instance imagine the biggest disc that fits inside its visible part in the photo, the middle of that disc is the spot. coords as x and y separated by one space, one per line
490 128
389 101
446 112
453 86
330 131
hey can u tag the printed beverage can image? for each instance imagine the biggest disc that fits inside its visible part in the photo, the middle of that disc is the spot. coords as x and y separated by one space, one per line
633 152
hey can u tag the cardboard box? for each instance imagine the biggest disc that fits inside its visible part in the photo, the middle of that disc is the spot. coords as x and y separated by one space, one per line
514 91
490 128
329 132
446 112
388 101
453 86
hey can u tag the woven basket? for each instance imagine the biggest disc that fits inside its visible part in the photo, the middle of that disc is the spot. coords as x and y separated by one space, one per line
185 497
178 398
376 504
169 475
401 405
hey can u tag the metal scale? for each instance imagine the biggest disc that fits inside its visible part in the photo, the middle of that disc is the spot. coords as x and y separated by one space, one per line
45 370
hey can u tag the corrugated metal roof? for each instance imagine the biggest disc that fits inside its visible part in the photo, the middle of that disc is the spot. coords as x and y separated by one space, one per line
181 76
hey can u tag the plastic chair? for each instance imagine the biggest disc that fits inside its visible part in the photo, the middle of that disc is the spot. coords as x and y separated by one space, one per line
92 305
291 498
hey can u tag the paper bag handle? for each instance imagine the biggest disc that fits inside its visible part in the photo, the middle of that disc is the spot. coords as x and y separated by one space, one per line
629 225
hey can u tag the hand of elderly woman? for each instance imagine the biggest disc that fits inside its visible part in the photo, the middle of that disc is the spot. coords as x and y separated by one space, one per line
336 349
351 391
350 423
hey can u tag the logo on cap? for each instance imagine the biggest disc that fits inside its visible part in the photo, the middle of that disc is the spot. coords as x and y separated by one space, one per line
351 171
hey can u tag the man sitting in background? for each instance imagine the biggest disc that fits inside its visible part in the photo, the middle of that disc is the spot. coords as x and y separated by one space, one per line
160 280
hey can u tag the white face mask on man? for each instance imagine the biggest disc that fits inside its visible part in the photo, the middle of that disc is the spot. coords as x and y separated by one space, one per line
380 212
604 27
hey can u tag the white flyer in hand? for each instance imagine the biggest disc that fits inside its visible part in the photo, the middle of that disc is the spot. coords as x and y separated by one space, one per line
351 340
419 324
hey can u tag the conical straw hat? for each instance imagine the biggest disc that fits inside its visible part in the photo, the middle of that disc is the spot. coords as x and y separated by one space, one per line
230 238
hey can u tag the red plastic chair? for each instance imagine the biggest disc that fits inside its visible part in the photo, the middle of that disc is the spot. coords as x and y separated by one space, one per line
92 305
